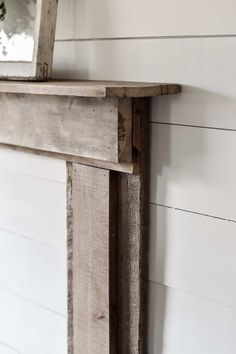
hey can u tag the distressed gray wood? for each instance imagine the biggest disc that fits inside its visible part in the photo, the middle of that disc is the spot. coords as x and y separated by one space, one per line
83 127
91 261
125 167
41 66
90 88
133 241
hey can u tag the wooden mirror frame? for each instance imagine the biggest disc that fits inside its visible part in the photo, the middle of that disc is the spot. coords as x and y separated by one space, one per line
41 65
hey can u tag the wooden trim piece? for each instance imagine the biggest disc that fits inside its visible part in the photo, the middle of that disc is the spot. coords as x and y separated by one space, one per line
91 260
125 167
88 128
125 134
133 242
94 89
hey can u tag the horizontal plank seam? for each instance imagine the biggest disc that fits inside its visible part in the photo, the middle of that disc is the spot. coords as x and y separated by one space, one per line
193 126
33 176
13 350
11 232
32 302
96 39
192 295
193 212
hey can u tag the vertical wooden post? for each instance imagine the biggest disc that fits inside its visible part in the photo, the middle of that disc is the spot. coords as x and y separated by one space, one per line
107 244
91 260
133 240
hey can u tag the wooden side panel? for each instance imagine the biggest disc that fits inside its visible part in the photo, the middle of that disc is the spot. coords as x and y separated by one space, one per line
91 244
133 241
125 134
83 127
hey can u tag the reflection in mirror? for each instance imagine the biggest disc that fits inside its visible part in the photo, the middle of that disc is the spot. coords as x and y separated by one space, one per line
17 30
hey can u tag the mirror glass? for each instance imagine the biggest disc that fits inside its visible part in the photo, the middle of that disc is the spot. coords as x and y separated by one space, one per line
17 30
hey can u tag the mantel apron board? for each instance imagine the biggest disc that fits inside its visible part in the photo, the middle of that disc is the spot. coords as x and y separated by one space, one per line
101 130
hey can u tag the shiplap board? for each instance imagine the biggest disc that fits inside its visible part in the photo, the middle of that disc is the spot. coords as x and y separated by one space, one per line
180 323
34 271
5 349
29 328
194 169
204 67
33 207
33 165
93 19
194 253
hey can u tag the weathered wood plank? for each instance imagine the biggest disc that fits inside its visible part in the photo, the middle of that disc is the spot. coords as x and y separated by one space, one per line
91 261
82 127
125 167
133 241
125 133
90 88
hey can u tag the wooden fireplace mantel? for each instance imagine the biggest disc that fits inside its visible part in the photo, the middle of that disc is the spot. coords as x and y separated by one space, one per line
101 130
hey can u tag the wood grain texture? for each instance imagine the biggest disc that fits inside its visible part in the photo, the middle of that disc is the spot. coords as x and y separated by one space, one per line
89 252
83 127
45 39
90 88
133 241
125 167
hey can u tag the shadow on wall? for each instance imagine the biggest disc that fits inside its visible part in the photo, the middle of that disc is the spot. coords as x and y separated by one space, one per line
196 107
164 142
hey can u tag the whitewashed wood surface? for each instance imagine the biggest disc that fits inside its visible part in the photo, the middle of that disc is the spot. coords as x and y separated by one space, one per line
182 324
33 255
194 169
194 253
28 328
134 18
24 198
35 271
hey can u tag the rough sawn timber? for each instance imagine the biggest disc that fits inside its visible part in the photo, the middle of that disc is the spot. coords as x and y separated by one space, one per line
91 128
91 261
94 89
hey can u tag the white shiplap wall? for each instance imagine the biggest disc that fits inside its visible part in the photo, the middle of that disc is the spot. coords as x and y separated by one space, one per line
192 200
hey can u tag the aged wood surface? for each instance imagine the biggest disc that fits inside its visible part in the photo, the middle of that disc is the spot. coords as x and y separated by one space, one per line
91 261
133 242
45 39
83 127
125 167
90 88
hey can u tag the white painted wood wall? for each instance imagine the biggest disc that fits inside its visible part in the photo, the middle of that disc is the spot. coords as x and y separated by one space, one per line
193 194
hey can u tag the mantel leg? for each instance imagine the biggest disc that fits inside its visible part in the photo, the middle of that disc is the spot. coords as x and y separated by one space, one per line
133 240
91 260
107 244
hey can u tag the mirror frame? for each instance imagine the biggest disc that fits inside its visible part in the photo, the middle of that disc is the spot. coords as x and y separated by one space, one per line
40 67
